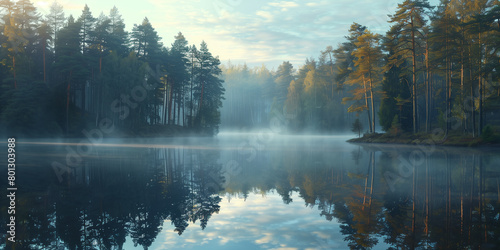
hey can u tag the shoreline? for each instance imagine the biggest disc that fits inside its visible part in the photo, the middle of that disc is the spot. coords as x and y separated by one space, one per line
424 139
154 131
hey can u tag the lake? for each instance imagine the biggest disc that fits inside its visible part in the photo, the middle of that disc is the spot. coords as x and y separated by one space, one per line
252 191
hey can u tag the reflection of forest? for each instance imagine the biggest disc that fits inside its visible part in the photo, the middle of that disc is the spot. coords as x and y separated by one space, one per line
114 196
451 200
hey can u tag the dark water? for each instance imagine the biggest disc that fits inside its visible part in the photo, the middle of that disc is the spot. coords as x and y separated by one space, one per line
252 191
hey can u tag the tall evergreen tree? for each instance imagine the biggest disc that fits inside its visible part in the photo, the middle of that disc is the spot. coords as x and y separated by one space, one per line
69 61
146 42
55 18
87 22
408 20
118 40
368 61
283 77
42 46
347 73
178 71
209 91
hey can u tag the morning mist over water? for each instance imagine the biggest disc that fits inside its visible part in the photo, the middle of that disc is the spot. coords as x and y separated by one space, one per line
263 125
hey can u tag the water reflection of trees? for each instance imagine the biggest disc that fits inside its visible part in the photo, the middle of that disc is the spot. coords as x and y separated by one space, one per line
450 200
108 199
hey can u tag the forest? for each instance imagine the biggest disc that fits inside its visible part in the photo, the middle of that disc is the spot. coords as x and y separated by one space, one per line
61 75
437 67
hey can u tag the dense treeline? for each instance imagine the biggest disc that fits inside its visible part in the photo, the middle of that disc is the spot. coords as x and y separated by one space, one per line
62 75
437 67
300 100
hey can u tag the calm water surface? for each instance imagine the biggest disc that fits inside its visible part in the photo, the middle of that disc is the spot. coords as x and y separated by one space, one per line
252 191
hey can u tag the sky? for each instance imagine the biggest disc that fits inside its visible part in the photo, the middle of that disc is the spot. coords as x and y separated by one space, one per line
253 32
259 222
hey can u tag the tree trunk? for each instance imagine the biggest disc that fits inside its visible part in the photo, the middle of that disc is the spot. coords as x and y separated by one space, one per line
331 72
367 107
170 103
191 118
44 74
201 96
480 82
372 101
427 88
165 104
462 79
174 105
448 82
14 69
414 76
473 104
179 97
67 102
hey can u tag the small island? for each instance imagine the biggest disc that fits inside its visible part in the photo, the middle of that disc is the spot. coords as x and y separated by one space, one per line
489 137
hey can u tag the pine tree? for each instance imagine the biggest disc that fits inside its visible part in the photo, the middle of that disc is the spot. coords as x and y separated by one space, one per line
395 84
55 18
445 42
193 68
357 127
43 41
344 60
346 77
283 77
368 61
69 61
177 71
20 25
293 104
209 91
408 20
146 42
118 40
87 22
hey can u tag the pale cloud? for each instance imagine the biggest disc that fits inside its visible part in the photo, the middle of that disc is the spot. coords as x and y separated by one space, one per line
312 4
266 239
265 14
284 5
